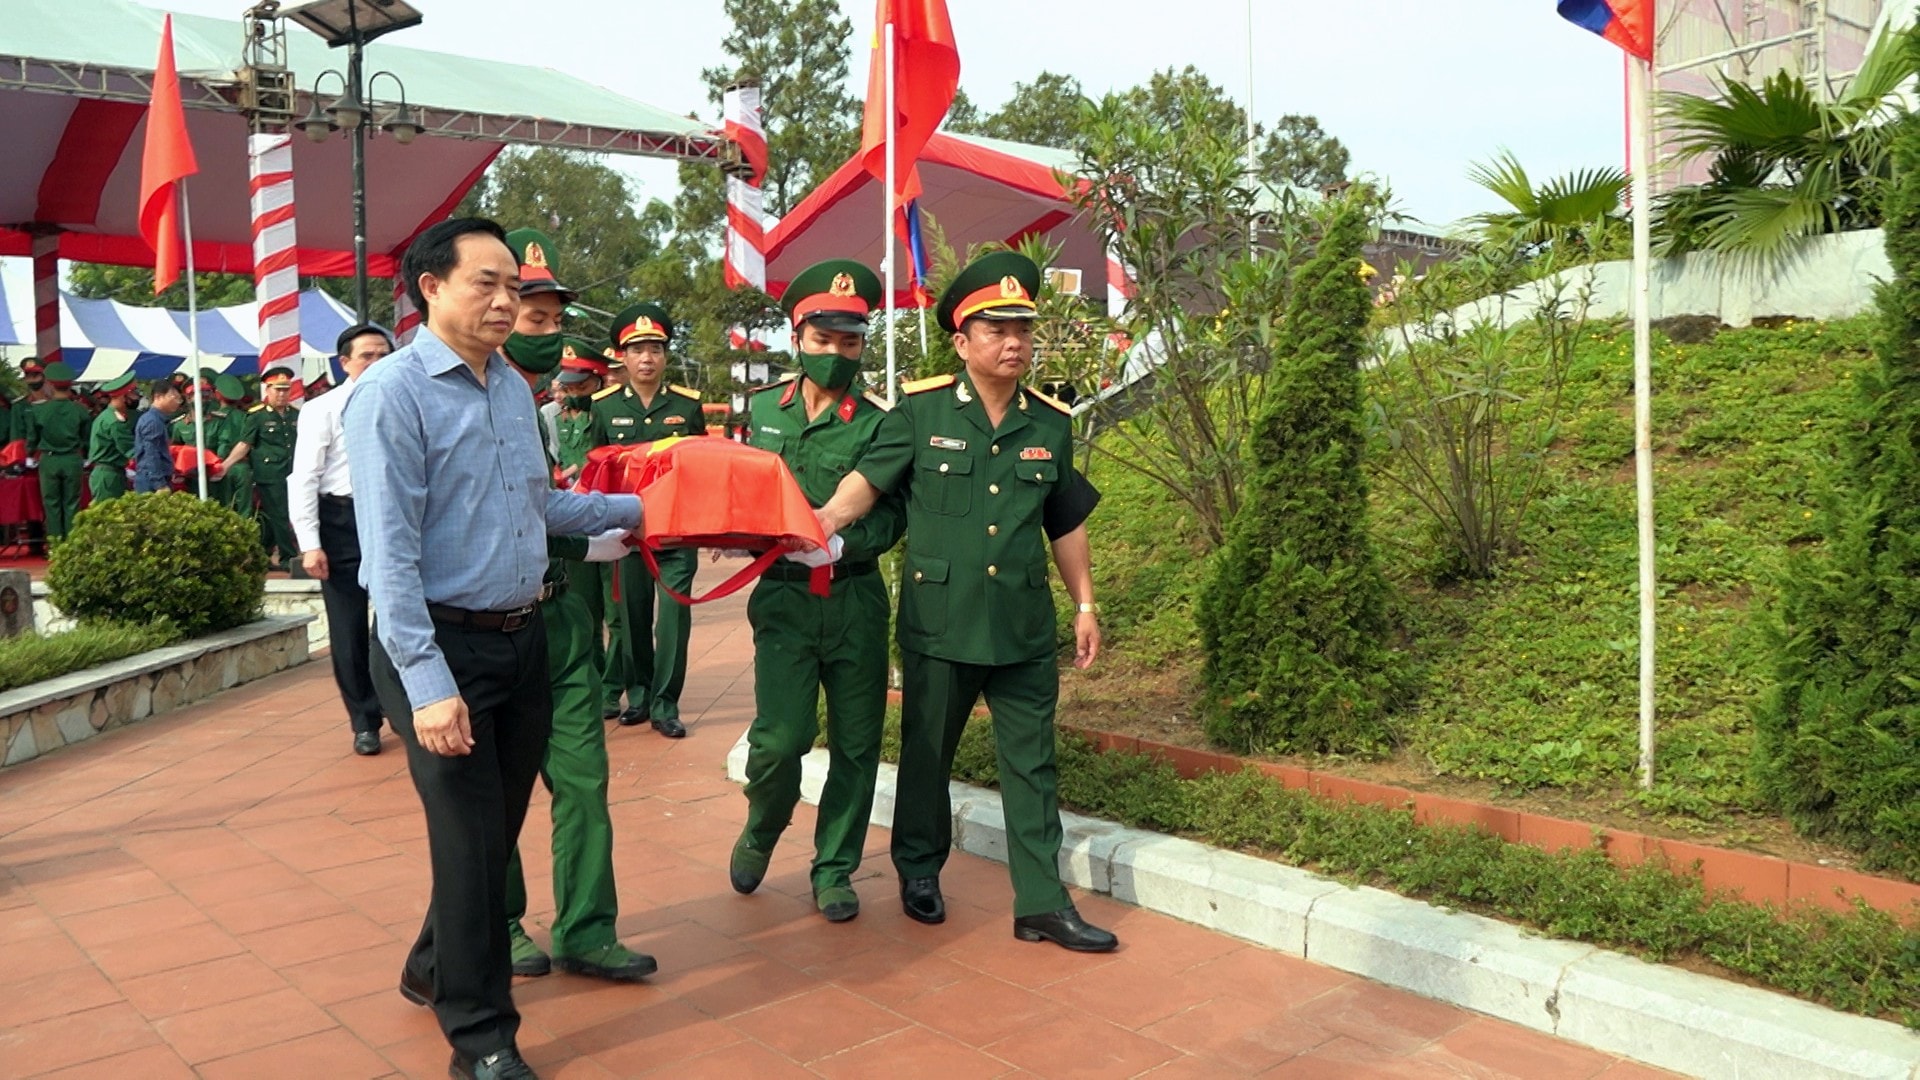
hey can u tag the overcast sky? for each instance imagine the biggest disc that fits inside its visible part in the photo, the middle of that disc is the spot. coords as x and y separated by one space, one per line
1416 89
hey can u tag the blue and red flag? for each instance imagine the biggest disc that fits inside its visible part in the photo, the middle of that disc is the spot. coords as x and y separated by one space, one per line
917 254
1626 23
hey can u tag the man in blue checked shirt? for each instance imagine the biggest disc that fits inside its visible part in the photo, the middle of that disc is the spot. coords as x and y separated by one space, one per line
454 507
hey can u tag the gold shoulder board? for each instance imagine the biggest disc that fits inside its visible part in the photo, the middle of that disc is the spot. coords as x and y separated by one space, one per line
598 394
920 386
685 392
1050 402
876 401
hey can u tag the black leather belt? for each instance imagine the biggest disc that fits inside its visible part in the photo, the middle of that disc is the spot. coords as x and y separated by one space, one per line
505 622
338 500
793 571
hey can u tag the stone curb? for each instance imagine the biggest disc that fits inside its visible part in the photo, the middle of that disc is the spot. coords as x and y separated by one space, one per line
93 678
1663 1016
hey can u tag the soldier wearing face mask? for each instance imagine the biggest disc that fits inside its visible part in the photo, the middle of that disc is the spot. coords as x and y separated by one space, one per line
821 425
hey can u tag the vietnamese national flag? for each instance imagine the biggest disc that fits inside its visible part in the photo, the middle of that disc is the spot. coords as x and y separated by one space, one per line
926 74
1626 23
167 159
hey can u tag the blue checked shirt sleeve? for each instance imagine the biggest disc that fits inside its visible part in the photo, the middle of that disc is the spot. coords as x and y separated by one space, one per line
384 426
572 513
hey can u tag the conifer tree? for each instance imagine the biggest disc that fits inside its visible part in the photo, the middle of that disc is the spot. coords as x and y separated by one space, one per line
1293 617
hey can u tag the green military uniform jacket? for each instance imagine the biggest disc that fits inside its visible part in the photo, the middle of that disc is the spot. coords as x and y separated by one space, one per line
57 426
982 505
822 451
271 435
180 430
619 418
234 428
111 445
576 437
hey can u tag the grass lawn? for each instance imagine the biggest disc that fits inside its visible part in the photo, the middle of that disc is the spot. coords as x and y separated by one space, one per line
1530 680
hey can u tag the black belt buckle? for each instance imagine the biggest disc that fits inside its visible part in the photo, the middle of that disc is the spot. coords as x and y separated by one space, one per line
520 619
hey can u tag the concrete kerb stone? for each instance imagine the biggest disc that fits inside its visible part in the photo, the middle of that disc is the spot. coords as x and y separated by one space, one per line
1659 1015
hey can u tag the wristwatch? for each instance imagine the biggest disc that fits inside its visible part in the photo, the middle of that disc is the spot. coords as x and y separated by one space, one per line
1087 609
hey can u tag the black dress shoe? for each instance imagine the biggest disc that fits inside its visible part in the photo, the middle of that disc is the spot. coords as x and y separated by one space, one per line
499 1065
366 743
1066 929
415 988
920 899
611 712
632 717
670 727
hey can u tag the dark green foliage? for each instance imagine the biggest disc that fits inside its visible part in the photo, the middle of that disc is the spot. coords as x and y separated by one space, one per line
31 658
1837 741
1863 960
168 555
1293 619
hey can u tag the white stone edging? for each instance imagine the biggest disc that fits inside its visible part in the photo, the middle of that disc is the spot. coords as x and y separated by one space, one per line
1659 1015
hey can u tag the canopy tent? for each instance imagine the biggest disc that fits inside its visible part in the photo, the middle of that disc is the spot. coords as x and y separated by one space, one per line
102 339
975 189
74 83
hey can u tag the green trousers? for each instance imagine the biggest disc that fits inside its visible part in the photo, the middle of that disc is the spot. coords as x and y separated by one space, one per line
236 490
595 584
938 697
584 901
276 522
60 492
107 482
651 646
802 644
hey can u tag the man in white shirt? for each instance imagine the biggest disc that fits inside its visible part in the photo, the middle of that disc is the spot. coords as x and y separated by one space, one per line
320 494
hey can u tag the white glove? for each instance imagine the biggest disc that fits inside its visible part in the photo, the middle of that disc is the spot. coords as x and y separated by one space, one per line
32 462
818 558
608 546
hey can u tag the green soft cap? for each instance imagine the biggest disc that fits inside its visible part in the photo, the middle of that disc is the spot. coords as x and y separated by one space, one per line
539 263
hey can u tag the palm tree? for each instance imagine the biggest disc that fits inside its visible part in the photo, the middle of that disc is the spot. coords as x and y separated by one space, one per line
1784 164
1576 214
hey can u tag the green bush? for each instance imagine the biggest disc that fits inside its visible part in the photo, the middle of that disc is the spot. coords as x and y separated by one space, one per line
1837 740
140 558
30 658
1293 618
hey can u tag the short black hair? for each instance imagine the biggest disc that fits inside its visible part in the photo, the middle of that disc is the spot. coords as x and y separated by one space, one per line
358 330
436 252
161 387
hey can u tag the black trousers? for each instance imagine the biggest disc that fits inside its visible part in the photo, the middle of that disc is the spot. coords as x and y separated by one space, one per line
346 603
475 806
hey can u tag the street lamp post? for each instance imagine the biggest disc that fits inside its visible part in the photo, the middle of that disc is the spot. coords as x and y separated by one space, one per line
353 23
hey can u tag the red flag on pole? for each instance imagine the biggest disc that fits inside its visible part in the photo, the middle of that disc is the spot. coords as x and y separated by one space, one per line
926 69
167 159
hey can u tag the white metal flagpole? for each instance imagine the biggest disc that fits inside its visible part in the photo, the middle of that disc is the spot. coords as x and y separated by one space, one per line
1640 120
193 337
886 201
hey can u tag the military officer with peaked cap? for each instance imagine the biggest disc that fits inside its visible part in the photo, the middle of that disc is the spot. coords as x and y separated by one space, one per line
649 660
110 443
232 441
575 766
822 426
986 465
272 427
56 435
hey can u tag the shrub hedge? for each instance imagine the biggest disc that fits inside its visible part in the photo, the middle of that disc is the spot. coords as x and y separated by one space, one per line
166 555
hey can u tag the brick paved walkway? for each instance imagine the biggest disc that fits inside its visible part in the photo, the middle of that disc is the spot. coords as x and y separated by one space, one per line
227 892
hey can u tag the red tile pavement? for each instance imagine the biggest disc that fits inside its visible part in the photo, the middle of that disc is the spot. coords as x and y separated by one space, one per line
227 892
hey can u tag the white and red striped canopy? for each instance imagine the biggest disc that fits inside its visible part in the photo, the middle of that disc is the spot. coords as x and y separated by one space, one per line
73 114
976 190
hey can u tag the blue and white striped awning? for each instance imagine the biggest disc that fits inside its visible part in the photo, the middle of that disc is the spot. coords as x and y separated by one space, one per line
102 339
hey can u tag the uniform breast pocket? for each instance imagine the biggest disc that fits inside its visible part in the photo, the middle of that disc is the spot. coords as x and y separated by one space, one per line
945 485
834 467
1034 481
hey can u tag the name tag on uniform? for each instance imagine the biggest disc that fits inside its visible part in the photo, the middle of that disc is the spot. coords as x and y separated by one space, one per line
674 420
770 430
1036 453
941 442
621 421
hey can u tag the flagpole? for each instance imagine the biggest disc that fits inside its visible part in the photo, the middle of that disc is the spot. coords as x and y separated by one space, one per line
193 338
1640 122
886 203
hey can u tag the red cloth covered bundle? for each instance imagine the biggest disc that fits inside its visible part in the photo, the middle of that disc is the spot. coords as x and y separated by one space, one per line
708 493
185 462
13 453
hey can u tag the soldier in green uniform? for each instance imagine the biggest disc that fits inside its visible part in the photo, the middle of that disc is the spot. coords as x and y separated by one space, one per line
110 446
986 466
273 425
212 415
803 643
575 770
233 441
649 660
57 438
